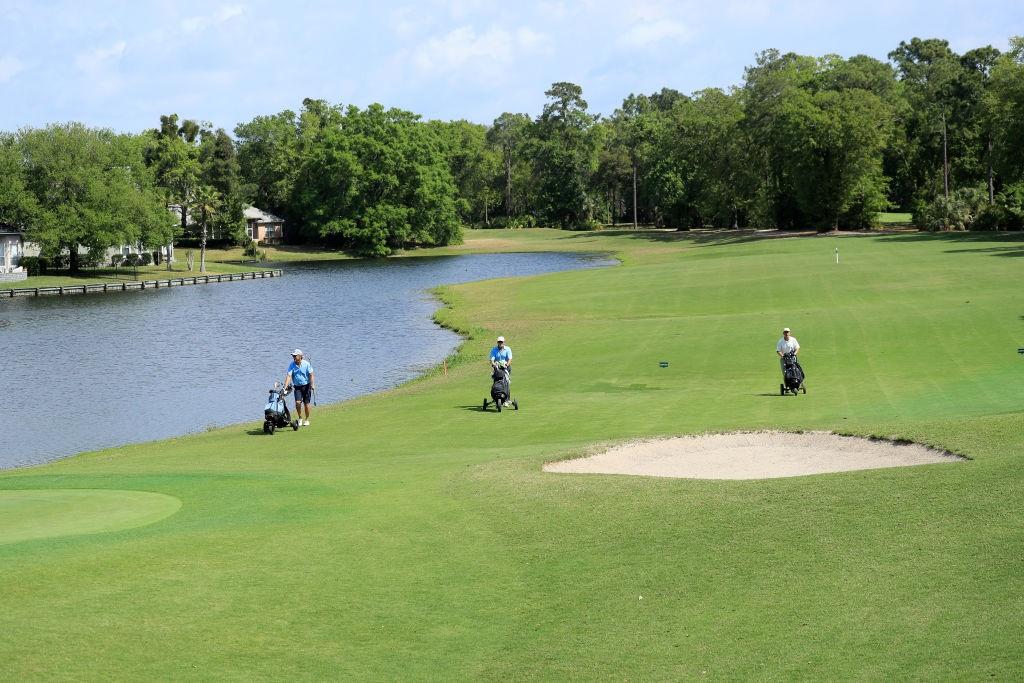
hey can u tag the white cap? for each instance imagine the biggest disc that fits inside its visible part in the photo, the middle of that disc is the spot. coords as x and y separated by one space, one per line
785 329
297 352
501 339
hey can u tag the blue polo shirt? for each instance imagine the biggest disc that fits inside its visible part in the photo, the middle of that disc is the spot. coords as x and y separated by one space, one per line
300 372
504 354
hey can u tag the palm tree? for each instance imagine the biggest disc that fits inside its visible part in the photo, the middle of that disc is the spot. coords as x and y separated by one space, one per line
207 203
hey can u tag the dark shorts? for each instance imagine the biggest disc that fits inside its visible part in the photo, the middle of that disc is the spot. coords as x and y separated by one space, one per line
303 393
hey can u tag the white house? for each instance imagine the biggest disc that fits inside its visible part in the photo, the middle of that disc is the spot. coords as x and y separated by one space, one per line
12 248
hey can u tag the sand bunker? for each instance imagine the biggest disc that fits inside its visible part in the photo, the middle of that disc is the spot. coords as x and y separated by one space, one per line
752 455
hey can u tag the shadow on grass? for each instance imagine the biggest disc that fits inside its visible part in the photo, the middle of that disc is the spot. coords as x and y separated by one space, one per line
667 236
478 408
960 242
1012 243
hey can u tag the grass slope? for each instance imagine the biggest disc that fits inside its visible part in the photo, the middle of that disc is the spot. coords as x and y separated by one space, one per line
406 535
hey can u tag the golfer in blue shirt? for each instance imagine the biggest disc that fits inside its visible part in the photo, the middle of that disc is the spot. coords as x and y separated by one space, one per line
502 353
300 376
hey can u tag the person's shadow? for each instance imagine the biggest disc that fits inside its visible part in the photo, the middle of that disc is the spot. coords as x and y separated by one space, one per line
478 408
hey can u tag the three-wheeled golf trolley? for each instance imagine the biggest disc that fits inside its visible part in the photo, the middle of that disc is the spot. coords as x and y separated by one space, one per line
501 393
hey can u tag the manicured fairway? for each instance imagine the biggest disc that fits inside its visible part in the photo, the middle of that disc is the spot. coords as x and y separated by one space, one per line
407 535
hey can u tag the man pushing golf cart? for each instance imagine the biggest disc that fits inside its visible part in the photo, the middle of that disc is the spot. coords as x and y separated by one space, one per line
300 377
788 349
501 377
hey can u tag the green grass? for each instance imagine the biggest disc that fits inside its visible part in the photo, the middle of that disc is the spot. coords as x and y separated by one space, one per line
406 535
29 515
896 218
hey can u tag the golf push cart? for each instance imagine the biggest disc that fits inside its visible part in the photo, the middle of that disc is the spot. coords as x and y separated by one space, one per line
275 413
501 393
792 376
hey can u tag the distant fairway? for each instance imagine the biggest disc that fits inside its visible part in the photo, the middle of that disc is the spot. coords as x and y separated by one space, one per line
896 218
407 535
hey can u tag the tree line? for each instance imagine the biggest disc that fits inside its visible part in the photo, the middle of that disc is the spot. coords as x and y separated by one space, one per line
803 142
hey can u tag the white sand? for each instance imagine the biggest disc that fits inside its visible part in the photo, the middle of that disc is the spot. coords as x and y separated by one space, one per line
752 455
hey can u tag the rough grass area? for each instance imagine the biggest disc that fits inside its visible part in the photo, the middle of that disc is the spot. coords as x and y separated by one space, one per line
407 535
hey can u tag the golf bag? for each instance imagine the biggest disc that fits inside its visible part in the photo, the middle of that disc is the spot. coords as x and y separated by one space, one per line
500 391
276 413
792 375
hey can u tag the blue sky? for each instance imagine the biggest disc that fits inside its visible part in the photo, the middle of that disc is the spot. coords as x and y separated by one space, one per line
120 64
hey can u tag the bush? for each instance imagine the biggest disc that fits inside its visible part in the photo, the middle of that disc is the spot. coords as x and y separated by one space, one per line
93 258
997 217
145 258
512 222
56 261
33 265
193 242
958 212
116 259
586 224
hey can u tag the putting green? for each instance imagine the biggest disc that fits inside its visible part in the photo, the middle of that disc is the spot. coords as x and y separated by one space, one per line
34 514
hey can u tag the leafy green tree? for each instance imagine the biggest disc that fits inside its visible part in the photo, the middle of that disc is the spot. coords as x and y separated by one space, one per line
565 155
768 85
931 72
510 134
979 109
174 157
221 171
1006 111
268 157
90 190
375 181
17 204
614 172
205 206
837 139
633 126
473 165
723 157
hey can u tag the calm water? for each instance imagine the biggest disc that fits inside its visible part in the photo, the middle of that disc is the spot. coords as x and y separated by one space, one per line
86 372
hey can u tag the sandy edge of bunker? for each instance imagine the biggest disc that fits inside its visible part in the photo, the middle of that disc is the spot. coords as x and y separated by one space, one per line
753 455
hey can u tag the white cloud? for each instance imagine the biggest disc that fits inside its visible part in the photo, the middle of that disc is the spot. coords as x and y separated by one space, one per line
9 68
646 34
201 23
405 21
464 52
95 60
528 39
750 10
462 47
460 9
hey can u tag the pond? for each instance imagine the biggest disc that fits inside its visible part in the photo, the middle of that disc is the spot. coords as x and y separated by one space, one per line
92 371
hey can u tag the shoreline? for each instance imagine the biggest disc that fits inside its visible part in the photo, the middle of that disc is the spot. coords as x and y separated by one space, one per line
437 295
136 285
